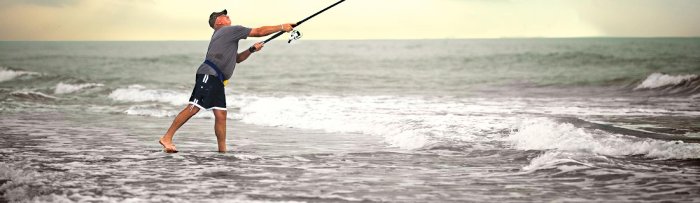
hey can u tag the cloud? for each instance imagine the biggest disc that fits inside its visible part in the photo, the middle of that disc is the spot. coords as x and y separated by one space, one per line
643 18
357 19
48 3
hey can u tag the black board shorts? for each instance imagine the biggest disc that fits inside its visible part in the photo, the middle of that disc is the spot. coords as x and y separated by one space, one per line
208 93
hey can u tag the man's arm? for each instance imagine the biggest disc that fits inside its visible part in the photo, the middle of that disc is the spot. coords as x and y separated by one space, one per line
245 54
267 30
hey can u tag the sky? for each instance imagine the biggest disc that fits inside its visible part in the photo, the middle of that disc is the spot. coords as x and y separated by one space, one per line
353 19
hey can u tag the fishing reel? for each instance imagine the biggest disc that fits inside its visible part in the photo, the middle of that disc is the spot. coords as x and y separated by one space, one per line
295 35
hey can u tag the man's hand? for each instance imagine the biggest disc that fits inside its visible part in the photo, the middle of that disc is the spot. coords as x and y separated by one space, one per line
258 46
288 27
245 54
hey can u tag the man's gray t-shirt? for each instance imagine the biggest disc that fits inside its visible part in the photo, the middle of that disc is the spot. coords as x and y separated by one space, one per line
223 50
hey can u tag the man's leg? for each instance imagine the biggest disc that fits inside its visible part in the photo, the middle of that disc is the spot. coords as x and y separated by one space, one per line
220 129
180 119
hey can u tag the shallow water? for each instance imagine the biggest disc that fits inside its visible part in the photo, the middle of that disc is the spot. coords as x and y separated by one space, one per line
56 156
482 121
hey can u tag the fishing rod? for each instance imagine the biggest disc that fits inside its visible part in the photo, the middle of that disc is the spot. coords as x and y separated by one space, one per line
297 34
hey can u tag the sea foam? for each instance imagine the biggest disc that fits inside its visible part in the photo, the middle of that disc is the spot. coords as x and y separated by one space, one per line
155 110
149 110
138 93
546 134
64 88
21 183
404 122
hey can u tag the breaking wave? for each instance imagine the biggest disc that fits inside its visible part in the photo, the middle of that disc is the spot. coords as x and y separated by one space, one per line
555 159
7 74
656 80
687 84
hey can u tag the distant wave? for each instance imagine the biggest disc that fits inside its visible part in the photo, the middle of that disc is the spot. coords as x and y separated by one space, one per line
34 96
7 74
547 134
671 84
64 88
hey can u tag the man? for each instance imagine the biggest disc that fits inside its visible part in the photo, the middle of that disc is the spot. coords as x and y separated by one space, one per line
213 74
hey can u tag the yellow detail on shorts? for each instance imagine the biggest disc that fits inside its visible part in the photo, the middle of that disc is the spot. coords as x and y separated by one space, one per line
225 82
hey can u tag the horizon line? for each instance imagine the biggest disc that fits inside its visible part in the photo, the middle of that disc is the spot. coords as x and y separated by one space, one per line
381 39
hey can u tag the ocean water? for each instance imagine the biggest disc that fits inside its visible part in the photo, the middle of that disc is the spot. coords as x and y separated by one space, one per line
493 120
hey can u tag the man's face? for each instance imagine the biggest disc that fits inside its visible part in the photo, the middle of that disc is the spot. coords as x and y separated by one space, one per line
222 20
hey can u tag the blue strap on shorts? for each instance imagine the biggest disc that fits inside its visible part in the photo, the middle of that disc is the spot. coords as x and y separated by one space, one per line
219 74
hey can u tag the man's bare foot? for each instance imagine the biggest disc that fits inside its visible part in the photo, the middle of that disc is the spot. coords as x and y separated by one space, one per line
167 146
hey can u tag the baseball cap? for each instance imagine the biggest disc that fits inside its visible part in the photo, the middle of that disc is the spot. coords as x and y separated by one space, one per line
214 15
